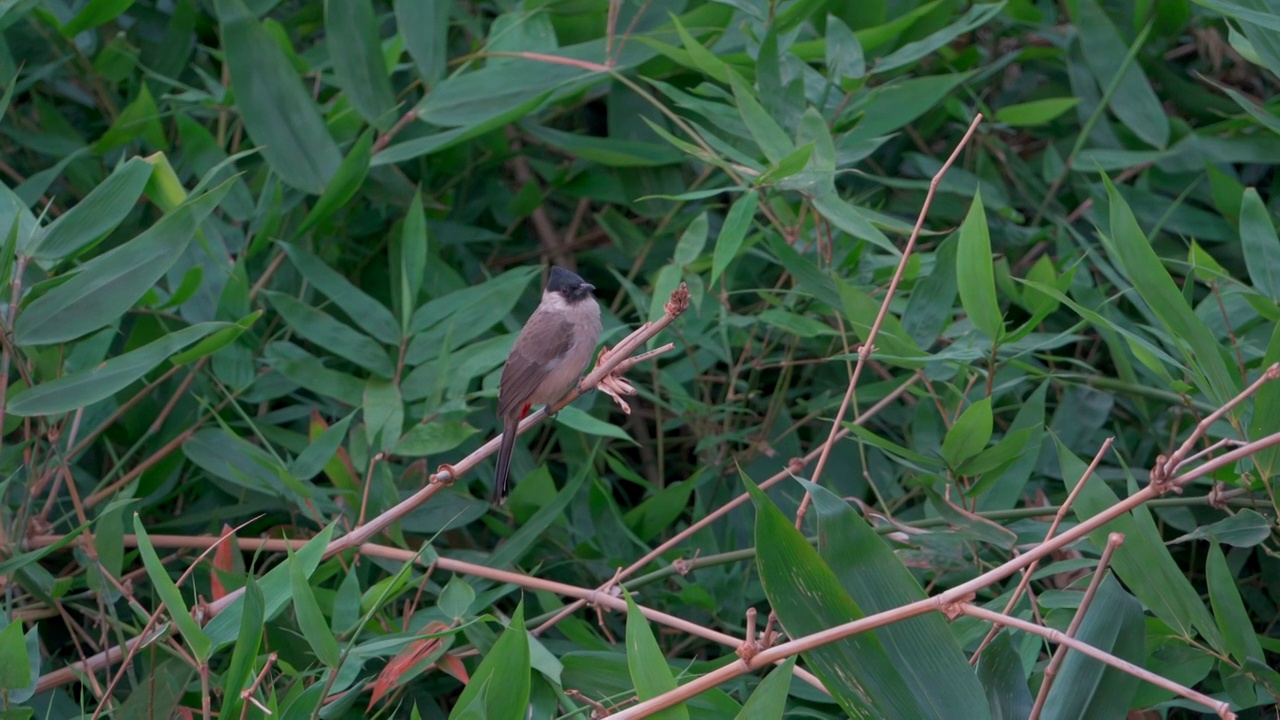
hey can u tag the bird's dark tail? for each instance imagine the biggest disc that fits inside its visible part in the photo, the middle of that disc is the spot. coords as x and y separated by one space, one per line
501 474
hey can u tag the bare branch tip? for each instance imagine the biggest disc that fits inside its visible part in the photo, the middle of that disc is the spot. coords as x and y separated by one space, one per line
679 301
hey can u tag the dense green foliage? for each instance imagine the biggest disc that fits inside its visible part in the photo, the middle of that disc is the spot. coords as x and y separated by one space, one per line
265 260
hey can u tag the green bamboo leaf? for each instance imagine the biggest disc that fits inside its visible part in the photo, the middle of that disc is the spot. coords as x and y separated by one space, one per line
844 57
975 273
139 119
768 134
224 628
931 662
240 671
277 111
93 14
610 152
733 232
170 595
1260 244
100 212
970 434
424 25
217 341
15 670
1000 670
1087 688
769 700
808 598
851 219
346 181
1134 102
1161 295
86 387
310 618
334 336
1228 609
499 688
1143 562
413 258
438 436
104 288
383 413
320 450
1035 112
351 30
649 669
372 316
692 241
975 17
702 58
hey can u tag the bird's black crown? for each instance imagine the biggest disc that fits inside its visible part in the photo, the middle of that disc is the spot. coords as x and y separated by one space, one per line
568 284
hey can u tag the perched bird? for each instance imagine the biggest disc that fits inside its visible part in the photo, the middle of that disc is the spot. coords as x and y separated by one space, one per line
547 359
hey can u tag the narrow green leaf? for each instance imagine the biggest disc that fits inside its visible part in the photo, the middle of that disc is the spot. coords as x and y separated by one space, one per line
610 152
106 287
1260 244
975 273
1087 688
769 700
969 435
1142 562
277 111
1134 102
733 232
316 455
370 315
703 59
692 241
383 413
245 653
1229 611
1000 671
170 595
93 14
310 618
649 669
351 31
975 17
346 181
15 671
768 134
582 421
100 212
1246 528
224 628
1161 295
438 436
86 387
217 341
844 58
849 218
139 119
501 684
424 25
788 166
923 649
808 598
328 333
1035 112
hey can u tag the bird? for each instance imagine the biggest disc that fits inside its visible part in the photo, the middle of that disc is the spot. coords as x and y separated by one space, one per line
547 359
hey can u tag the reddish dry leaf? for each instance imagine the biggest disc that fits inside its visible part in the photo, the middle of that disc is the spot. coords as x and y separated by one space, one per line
404 660
221 561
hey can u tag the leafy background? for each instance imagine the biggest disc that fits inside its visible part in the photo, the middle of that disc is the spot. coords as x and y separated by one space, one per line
265 260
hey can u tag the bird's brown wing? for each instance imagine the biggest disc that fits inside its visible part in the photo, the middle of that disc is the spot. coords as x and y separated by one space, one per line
541 347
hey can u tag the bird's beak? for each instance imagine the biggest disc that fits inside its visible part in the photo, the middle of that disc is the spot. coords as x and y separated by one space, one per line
589 286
